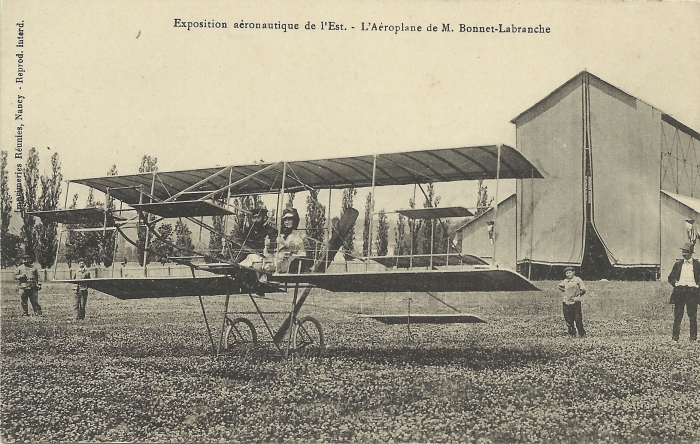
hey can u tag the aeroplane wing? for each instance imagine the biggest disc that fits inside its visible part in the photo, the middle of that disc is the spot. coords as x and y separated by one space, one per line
164 287
77 216
457 280
405 168
185 208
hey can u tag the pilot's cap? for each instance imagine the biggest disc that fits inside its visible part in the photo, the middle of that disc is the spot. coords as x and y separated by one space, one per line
291 213
259 211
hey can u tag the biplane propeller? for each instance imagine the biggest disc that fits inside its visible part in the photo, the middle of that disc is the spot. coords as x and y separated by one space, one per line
194 194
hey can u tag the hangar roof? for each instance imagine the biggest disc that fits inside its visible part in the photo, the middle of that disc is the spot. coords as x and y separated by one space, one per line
555 96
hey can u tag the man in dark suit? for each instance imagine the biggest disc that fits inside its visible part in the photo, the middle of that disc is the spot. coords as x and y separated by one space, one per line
685 278
260 230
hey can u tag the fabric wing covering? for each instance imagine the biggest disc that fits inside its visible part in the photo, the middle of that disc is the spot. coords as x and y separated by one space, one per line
440 165
415 280
182 209
146 288
436 212
77 216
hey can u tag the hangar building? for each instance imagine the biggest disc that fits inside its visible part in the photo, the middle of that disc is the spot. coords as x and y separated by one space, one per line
621 179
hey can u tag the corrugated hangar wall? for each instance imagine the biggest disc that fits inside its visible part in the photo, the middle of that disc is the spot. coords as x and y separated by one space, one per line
599 146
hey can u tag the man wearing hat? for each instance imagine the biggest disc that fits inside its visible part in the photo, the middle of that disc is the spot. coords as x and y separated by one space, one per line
28 277
685 277
572 289
260 230
81 291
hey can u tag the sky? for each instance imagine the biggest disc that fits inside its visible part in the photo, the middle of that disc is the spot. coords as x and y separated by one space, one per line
108 82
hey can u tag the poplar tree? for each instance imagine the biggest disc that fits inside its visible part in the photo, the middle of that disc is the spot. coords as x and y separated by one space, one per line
242 220
10 242
148 164
315 221
31 183
84 245
415 230
73 239
91 247
431 232
400 236
382 242
46 232
109 249
482 198
215 240
349 241
215 246
163 248
183 236
366 241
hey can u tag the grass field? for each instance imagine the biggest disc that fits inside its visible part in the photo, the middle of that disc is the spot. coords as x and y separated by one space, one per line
141 371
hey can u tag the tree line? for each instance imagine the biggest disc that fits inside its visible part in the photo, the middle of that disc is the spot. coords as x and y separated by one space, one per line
40 192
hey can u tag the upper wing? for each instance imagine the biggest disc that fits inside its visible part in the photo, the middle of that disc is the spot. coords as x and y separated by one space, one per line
427 166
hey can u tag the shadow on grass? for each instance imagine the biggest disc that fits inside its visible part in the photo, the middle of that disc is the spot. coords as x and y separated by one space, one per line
473 357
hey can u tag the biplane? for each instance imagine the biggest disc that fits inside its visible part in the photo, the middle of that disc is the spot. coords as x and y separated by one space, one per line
146 199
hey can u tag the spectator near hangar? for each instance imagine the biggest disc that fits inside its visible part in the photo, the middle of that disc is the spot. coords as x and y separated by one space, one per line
621 188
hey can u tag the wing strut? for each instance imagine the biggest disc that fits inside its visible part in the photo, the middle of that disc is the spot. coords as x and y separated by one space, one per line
206 322
223 323
296 306
214 352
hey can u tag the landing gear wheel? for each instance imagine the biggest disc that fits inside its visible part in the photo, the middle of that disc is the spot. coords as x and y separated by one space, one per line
308 339
239 334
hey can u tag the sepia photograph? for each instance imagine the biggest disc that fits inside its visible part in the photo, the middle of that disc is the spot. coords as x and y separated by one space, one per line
349 222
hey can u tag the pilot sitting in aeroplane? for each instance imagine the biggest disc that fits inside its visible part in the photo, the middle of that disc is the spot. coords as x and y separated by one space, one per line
290 242
260 230
290 245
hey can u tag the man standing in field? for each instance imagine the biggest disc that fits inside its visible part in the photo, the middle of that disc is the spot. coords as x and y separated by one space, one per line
81 291
573 289
28 277
685 277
